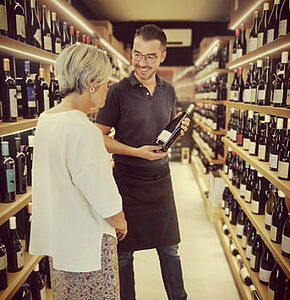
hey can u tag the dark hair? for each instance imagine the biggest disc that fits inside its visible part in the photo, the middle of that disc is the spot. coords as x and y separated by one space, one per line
152 32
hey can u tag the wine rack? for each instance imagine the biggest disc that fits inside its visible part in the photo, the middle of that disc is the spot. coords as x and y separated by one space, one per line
21 124
205 127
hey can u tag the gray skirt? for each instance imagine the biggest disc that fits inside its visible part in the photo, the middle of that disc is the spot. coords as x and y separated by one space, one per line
97 285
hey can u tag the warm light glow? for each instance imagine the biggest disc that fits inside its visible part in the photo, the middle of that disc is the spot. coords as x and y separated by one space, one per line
210 48
259 56
206 77
28 55
183 85
248 12
181 74
72 15
113 50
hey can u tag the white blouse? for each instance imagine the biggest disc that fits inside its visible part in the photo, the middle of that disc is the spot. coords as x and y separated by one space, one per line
73 191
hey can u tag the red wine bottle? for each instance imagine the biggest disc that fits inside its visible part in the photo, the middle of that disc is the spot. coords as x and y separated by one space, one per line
42 92
285 245
17 21
248 129
273 25
8 94
264 141
84 38
3 267
275 146
78 38
253 38
247 87
259 195
234 210
277 283
265 85
21 168
284 23
250 184
28 150
270 205
37 285
256 254
14 249
72 39
226 193
241 221
64 35
55 35
7 172
171 132
240 88
3 18
246 232
54 93
244 177
250 242
263 26
23 293
34 27
46 34
266 266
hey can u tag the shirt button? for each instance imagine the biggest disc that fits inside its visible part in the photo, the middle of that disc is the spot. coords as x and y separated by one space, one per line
140 85
147 94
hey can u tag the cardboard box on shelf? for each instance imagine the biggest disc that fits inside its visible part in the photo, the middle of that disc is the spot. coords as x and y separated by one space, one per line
103 32
104 23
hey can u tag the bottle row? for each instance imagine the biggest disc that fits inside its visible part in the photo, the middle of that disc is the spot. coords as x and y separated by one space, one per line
260 259
266 84
266 137
213 89
211 115
271 26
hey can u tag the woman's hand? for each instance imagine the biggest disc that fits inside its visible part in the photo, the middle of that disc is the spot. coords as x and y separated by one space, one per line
150 152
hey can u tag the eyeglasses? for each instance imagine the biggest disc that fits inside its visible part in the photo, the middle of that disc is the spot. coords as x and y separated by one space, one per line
150 58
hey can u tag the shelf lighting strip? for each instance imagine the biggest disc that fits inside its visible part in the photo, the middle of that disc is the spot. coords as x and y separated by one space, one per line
29 55
181 74
247 13
198 62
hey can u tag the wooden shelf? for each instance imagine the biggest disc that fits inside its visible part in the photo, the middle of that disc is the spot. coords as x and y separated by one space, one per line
261 289
11 47
272 110
8 210
262 167
243 289
209 101
20 125
210 160
209 74
259 223
15 280
272 50
216 132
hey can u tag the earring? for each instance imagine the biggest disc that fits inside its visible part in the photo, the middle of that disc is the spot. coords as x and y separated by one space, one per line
92 90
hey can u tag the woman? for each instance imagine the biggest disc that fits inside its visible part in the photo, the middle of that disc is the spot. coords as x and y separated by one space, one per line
77 211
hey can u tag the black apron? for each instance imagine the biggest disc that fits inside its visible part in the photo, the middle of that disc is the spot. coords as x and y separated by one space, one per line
149 207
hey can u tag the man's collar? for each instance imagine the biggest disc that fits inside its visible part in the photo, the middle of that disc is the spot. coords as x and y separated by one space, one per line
134 81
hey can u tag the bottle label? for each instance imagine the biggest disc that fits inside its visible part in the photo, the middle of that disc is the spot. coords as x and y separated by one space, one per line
20 26
3 262
57 47
227 211
234 135
246 144
13 103
268 219
262 95
255 206
248 196
283 169
234 56
244 242
253 261
260 39
47 43
244 273
46 99
248 252
239 53
239 139
31 97
164 136
10 177
242 190
282 27
231 216
37 36
262 152
20 259
273 161
240 229
253 44
278 96
232 95
3 18
223 204
252 149
285 244
271 294
253 95
230 174
273 233
270 35
264 275
247 95
226 169
288 97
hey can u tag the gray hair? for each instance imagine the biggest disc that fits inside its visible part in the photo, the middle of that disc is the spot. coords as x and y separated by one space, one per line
78 65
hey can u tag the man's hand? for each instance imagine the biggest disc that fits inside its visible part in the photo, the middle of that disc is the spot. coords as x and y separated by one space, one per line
121 233
184 125
150 152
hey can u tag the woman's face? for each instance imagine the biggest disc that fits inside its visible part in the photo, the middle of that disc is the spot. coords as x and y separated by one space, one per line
99 97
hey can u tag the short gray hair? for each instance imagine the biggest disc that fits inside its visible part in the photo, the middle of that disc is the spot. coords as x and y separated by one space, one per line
78 65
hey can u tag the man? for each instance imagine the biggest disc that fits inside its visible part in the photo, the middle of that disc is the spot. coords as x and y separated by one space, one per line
139 107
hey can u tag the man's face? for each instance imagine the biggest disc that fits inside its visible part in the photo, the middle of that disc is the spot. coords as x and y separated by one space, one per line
145 67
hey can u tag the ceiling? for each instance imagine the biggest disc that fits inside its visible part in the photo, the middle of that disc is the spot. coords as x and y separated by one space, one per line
162 10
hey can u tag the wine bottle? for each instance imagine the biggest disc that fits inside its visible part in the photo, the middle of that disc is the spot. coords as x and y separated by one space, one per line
42 92
277 283
241 221
54 93
64 35
256 254
231 165
263 26
240 87
255 82
225 228
28 93
55 35
88 40
23 293
3 267
78 38
279 217
71 35
242 46
171 132
226 193
37 285
21 168
17 21
246 232
3 18
228 160
46 34
284 157
265 85
250 184
250 242
259 196
84 38
234 210
241 127
254 137
248 129
228 204
235 45
233 248
8 94
28 150
234 87
7 171
247 87
14 249
284 23
253 38
285 245
34 27
273 25
276 145
244 177
264 141
270 205
266 266
280 82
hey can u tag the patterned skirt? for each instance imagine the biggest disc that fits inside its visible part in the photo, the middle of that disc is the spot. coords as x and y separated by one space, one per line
97 285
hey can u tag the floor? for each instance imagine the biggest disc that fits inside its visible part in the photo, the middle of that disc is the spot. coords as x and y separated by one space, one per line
206 273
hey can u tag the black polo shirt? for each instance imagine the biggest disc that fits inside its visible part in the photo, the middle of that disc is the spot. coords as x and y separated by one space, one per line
137 116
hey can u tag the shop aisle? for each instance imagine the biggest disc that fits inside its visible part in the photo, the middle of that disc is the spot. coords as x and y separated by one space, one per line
205 269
